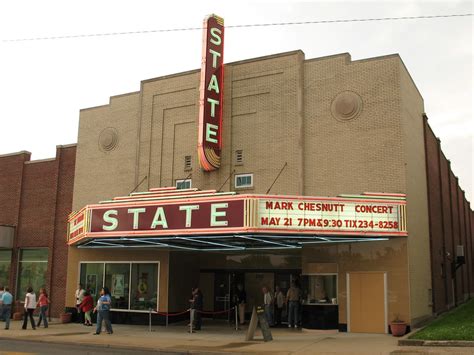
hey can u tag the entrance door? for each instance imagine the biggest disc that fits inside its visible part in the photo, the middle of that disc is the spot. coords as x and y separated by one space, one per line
225 286
367 294
254 281
221 293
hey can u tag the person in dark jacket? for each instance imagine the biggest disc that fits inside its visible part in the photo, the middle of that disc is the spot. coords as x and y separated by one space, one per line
197 306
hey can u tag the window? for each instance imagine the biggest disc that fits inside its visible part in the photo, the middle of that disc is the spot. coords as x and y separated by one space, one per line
183 184
144 283
239 157
187 162
92 278
133 286
320 288
32 270
243 180
5 262
117 279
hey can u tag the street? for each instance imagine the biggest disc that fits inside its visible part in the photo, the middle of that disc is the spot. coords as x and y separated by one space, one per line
21 347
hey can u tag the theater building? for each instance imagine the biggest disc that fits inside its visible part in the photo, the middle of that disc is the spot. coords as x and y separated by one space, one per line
323 171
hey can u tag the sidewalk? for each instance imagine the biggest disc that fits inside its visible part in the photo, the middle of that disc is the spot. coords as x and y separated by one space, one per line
219 337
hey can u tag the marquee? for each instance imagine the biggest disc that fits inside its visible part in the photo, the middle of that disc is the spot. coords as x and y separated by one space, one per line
208 220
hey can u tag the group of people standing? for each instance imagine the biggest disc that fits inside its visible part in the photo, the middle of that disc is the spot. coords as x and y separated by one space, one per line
274 304
31 304
85 307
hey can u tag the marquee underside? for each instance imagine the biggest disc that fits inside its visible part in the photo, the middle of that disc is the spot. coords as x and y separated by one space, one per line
234 242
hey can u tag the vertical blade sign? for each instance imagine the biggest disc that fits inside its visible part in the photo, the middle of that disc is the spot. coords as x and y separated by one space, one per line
211 94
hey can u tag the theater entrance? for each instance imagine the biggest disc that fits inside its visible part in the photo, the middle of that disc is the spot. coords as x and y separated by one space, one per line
220 288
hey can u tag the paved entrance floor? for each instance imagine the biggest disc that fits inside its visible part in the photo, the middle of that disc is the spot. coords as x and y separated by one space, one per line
220 337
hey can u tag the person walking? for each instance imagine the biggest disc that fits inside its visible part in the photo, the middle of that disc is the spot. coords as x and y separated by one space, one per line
1 306
6 302
86 306
279 304
30 306
103 311
293 296
79 297
241 301
43 303
268 304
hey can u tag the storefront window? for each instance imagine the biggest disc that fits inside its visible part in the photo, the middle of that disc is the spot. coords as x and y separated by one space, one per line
117 279
319 288
144 283
5 262
92 278
137 290
33 266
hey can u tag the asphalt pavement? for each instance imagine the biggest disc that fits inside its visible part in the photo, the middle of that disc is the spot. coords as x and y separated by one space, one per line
20 347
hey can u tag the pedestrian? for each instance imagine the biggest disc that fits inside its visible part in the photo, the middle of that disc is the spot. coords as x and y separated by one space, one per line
192 311
103 311
86 306
293 296
43 303
268 305
1 306
30 306
6 302
196 308
279 304
79 297
241 301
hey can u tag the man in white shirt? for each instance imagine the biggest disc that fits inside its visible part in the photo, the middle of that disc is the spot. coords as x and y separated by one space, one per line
268 304
79 297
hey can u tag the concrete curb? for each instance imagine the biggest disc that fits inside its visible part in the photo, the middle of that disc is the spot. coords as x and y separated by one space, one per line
441 343
118 347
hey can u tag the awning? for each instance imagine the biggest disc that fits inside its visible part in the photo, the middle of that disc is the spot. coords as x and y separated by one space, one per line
207 220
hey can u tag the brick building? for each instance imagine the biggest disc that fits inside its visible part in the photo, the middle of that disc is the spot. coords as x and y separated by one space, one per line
35 201
297 128
323 172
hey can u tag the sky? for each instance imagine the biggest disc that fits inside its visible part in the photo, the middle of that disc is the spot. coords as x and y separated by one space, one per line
44 83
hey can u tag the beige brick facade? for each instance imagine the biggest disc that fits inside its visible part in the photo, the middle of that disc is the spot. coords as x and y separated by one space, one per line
277 110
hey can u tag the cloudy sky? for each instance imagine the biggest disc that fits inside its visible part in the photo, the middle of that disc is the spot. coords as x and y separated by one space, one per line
44 83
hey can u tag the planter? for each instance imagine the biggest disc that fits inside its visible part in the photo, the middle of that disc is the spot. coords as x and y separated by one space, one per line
398 328
17 316
65 317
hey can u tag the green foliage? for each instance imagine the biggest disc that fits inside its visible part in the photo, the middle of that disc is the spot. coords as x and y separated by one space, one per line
455 325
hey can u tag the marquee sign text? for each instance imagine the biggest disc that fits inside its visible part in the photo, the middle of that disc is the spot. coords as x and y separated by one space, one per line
323 215
211 94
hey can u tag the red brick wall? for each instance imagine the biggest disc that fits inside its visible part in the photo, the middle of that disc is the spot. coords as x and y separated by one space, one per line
11 171
67 160
449 217
437 248
43 200
447 224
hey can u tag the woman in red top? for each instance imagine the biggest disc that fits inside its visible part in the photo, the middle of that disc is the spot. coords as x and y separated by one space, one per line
43 303
86 306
